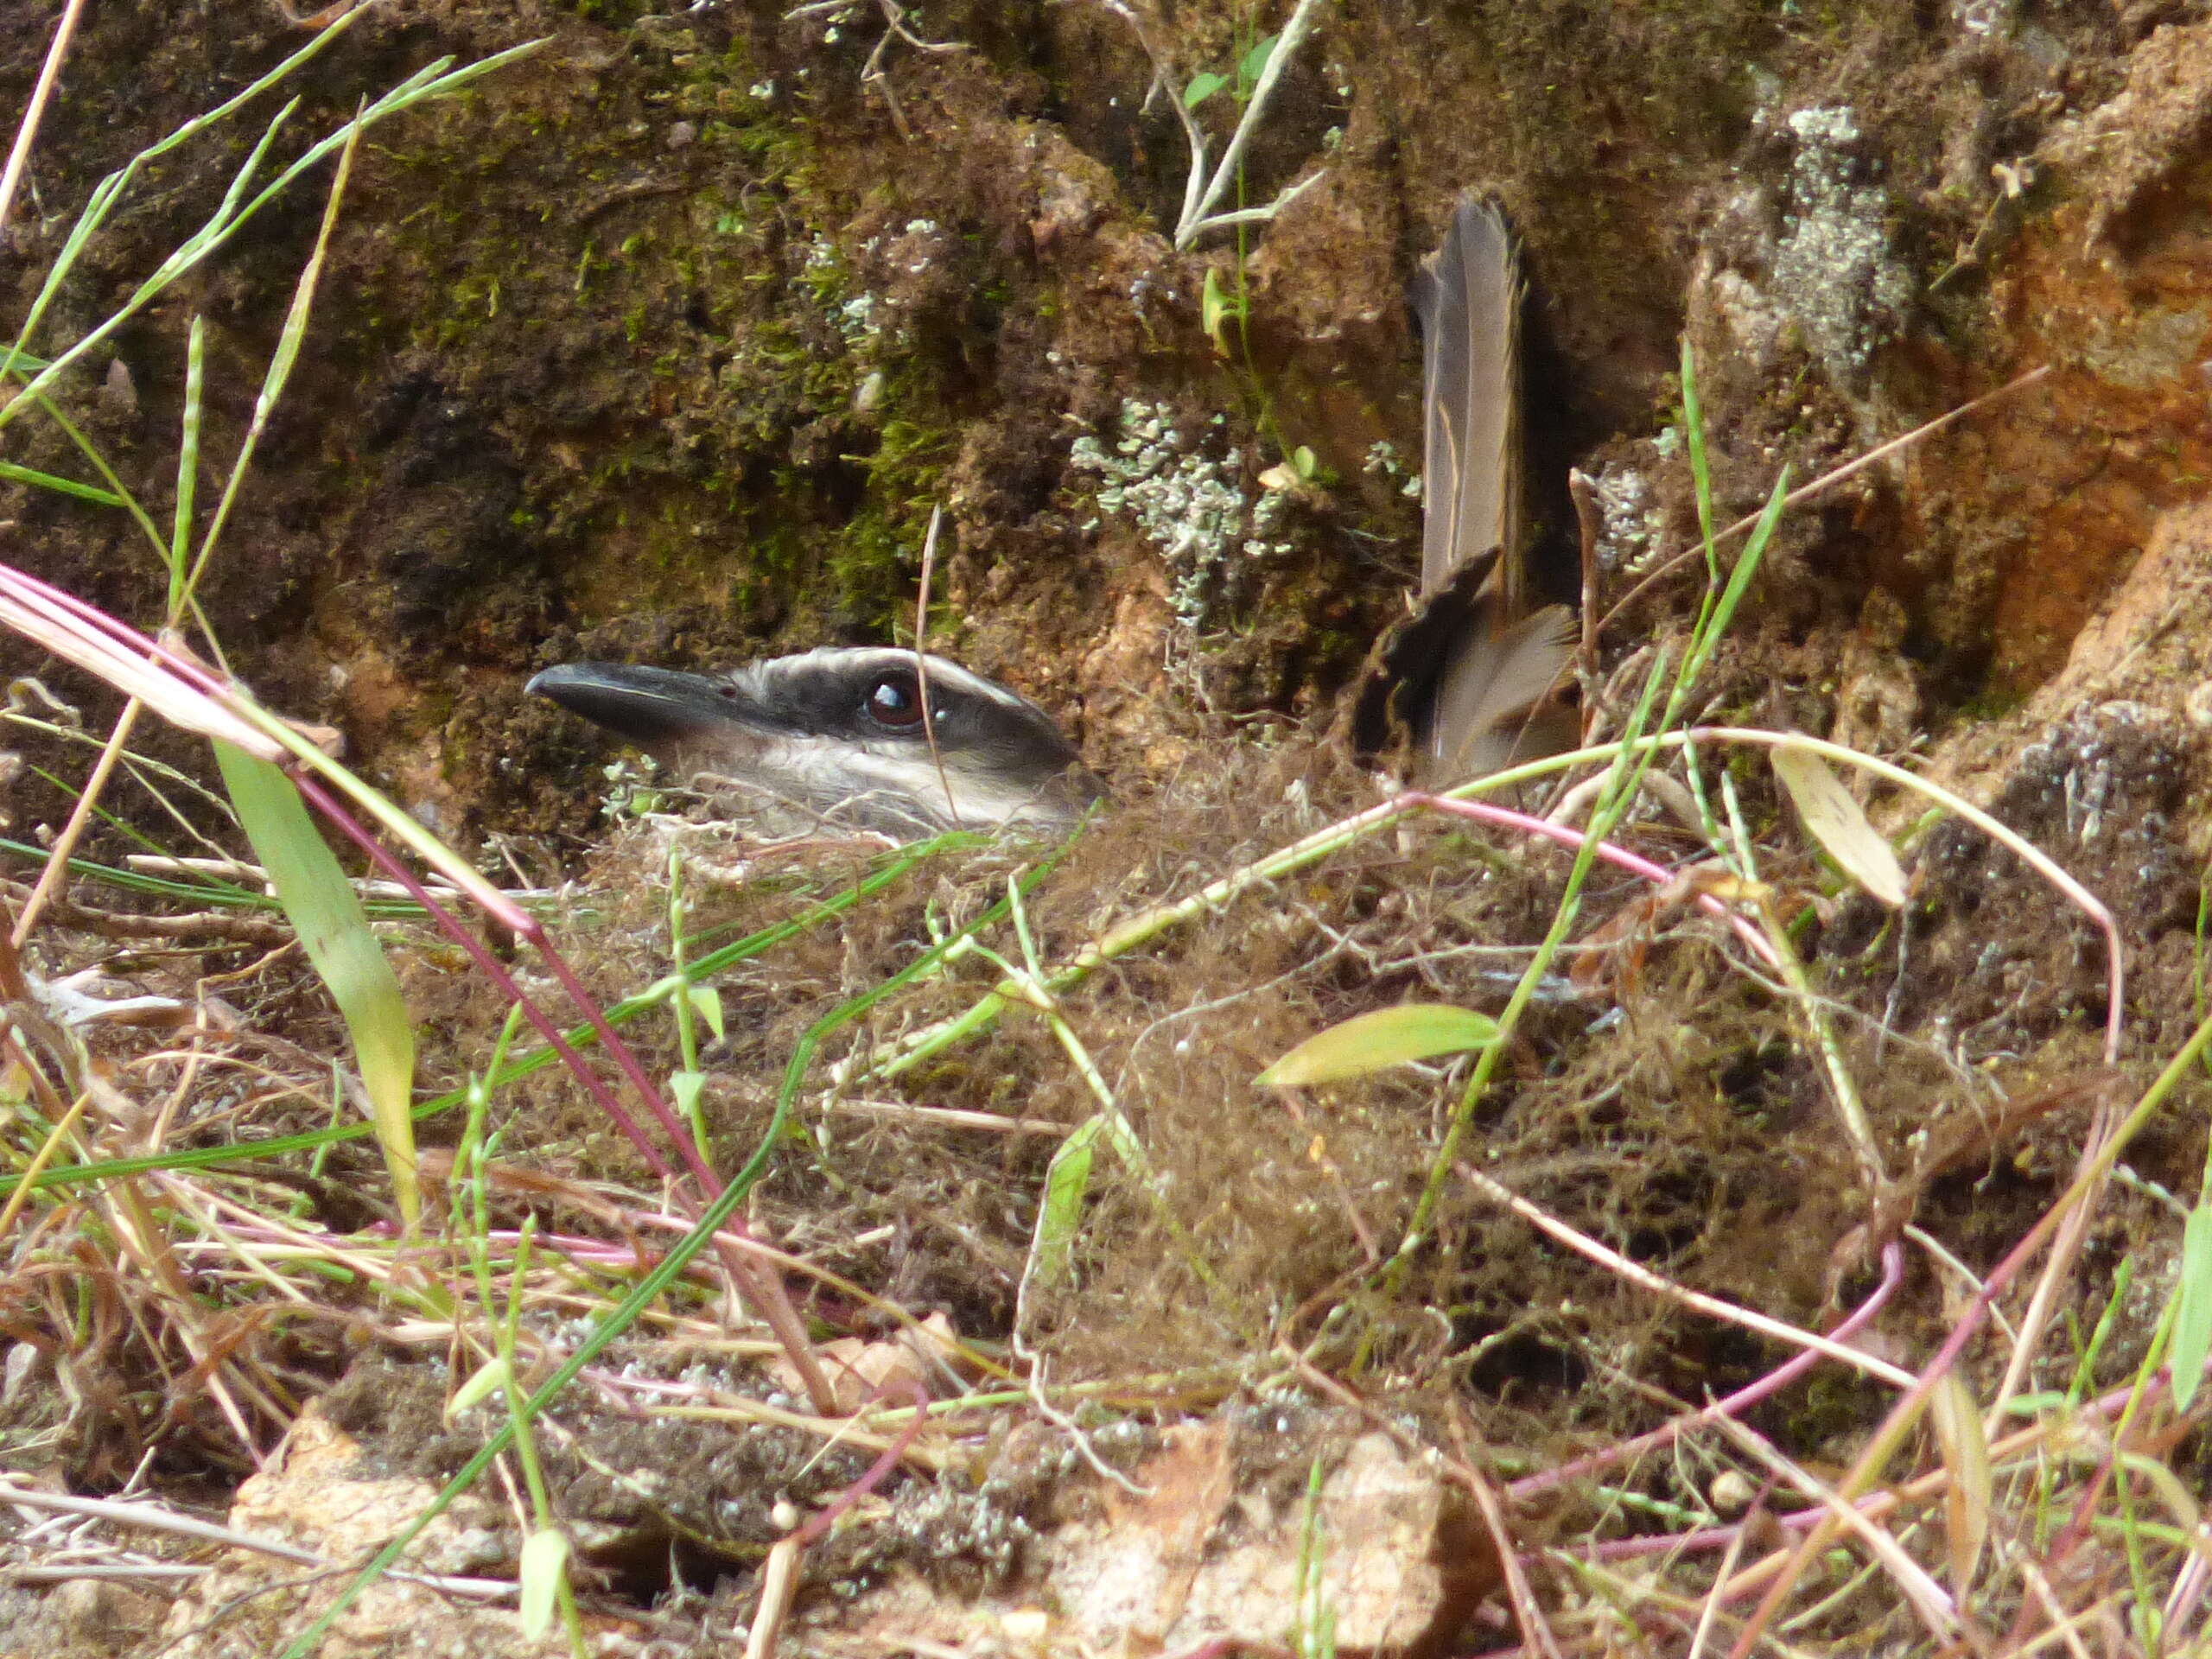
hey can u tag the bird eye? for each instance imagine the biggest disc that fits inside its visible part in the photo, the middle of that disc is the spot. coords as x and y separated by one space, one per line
894 701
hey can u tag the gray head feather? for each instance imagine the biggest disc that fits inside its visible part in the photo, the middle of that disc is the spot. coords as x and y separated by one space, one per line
840 733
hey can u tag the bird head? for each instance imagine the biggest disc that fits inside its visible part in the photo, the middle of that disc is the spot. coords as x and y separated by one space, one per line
839 731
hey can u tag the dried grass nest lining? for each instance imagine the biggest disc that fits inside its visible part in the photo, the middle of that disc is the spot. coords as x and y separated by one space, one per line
1687 1127
1675 1115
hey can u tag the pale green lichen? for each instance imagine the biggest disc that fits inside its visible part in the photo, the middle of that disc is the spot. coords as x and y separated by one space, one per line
1186 502
1383 457
1834 274
1629 521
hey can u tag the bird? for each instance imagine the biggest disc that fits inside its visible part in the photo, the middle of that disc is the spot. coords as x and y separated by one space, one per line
1471 673
840 732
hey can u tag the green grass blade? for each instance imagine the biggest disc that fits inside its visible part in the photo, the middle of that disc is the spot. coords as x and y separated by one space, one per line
335 935
37 479
188 253
437 81
1700 468
503 1073
2193 1320
648 1289
272 389
187 462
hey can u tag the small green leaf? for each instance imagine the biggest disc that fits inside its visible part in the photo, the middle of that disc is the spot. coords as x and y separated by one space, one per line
1255 63
1215 309
1067 1184
544 1567
1302 462
320 903
1388 1037
708 1001
488 1378
686 1086
1201 88
2193 1318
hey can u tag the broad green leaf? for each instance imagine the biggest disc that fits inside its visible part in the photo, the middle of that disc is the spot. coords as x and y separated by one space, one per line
1370 1042
1966 1499
1839 824
318 901
1067 1184
1201 88
2192 1339
544 1564
487 1379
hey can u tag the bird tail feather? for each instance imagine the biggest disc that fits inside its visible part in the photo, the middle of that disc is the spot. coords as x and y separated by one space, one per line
1490 702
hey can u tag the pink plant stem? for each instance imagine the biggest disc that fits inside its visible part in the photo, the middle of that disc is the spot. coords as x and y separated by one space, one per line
329 807
1505 818
1914 1401
818 1525
1875 1503
1731 1405
46 597
677 1130
757 1284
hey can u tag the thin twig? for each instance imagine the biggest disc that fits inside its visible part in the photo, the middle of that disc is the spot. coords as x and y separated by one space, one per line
1535 1632
922 665
1584 492
26 134
1200 191
57 863
1636 1274
1826 481
1195 221
154 1519
198 927
1731 1405
1937 1608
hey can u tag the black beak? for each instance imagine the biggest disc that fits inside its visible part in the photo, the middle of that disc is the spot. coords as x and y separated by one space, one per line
654 708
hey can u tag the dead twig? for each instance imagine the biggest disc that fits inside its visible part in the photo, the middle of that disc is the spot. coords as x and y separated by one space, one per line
199 928
922 665
1203 191
1613 1261
43 94
1826 481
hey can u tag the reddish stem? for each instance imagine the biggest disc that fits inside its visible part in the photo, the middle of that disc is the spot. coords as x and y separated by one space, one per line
329 807
1779 1378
